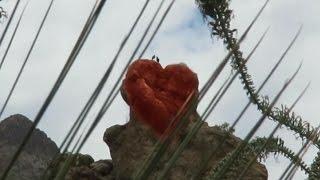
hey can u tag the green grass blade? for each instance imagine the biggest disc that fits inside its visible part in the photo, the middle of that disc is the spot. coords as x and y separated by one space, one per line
156 29
224 167
13 34
290 169
70 159
198 171
221 67
217 95
202 119
271 135
9 22
103 109
76 123
162 144
143 173
206 86
88 27
189 136
25 60
294 169
116 88
254 20
271 72
101 84
234 77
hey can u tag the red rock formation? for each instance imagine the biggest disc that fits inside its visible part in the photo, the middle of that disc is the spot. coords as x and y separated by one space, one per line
156 94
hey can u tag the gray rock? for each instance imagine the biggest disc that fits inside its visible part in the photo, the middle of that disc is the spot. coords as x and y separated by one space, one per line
131 144
36 155
103 167
100 170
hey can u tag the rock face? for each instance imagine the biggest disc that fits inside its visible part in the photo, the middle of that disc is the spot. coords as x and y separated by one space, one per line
156 94
82 168
100 170
132 143
157 98
36 155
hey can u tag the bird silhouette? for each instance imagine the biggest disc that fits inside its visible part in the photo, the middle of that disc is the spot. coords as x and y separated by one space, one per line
154 57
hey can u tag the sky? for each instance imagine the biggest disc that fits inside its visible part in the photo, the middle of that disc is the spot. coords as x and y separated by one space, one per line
183 37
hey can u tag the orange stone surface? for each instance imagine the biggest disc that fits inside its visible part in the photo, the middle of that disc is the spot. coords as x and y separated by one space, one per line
155 94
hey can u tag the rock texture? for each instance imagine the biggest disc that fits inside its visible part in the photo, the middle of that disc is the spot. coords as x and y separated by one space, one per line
83 168
36 155
132 143
157 98
100 170
156 94
39 152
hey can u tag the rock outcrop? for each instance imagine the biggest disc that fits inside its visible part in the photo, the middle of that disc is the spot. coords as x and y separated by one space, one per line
158 97
132 143
82 168
156 94
39 152
36 155
100 170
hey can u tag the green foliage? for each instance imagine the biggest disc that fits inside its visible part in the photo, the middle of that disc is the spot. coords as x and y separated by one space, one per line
219 20
219 16
57 163
275 147
226 127
220 24
235 168
315 168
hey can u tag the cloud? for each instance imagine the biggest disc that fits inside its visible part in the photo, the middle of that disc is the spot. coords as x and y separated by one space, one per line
184 37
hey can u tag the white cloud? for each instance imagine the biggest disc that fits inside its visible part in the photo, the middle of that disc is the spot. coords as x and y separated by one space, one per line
183 37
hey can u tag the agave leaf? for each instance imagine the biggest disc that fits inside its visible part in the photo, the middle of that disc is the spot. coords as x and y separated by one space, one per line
234 77
243 36
116 88
26 60
275 67
84 34
13 34
221 27
148 165
222 169
104 107
291 168
203 91
9 22
200 122
271 135
162 144
108 102
274 146
69 160
206 115
98 89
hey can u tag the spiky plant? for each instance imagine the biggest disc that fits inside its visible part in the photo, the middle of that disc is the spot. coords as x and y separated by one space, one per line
219 16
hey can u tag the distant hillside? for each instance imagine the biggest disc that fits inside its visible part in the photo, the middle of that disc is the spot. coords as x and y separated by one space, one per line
36 155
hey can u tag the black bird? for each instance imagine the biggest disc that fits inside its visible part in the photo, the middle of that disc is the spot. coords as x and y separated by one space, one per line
155 58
